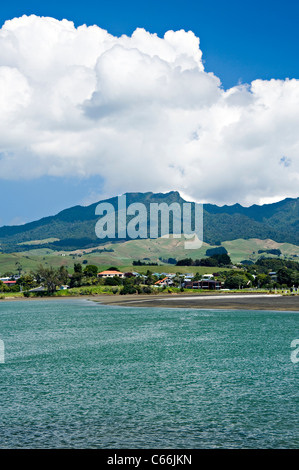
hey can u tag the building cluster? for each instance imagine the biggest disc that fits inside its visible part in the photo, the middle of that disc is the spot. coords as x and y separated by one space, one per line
186 280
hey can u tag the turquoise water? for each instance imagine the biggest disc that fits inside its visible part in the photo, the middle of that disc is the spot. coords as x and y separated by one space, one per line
81 375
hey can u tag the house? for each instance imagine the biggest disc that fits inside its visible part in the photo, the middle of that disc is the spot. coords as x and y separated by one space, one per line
164 282
131 274
168 275
273 276
9 283
209 284
110 273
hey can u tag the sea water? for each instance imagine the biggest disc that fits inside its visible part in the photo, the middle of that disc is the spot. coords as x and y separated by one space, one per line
77 374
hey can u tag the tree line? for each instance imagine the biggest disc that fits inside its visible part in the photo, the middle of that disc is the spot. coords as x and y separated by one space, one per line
255 275
221 259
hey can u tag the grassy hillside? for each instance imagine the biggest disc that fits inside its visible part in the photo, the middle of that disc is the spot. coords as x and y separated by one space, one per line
146 250
240 250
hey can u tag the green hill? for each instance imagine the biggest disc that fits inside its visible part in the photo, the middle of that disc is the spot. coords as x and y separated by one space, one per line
74 228
148 251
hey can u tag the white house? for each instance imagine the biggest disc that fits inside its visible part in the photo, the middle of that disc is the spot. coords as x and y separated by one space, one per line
111 273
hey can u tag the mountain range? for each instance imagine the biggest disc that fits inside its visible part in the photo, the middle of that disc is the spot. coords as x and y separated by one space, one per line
74 228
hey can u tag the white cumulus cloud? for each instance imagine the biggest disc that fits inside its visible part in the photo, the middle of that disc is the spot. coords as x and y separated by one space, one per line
142 113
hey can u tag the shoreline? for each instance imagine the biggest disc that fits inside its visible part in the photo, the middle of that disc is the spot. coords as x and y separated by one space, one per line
228 301
274 302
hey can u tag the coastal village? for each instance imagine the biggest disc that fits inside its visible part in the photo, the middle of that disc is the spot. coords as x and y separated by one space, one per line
88 280
207 281
168 279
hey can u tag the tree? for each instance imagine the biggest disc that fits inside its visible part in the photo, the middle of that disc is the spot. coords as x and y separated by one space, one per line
185 262
284 276
27 281
216 251
236 281
129 289
262 280
50 277
3 287
222 259
197 277
63 275
208 262
76 280
19 268
77 267
113 281
91 271
150 278
295 278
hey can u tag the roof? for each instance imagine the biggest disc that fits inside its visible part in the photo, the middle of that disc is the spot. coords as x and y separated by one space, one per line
38 289
161 280
9 282
110 272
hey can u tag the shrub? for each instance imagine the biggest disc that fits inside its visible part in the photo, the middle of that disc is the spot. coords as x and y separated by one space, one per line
147 290
127 290
112 281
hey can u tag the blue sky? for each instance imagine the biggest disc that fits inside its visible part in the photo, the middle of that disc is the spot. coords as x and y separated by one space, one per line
240 41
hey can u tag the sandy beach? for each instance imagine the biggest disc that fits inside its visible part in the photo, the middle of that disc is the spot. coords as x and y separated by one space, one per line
207 301
246 301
